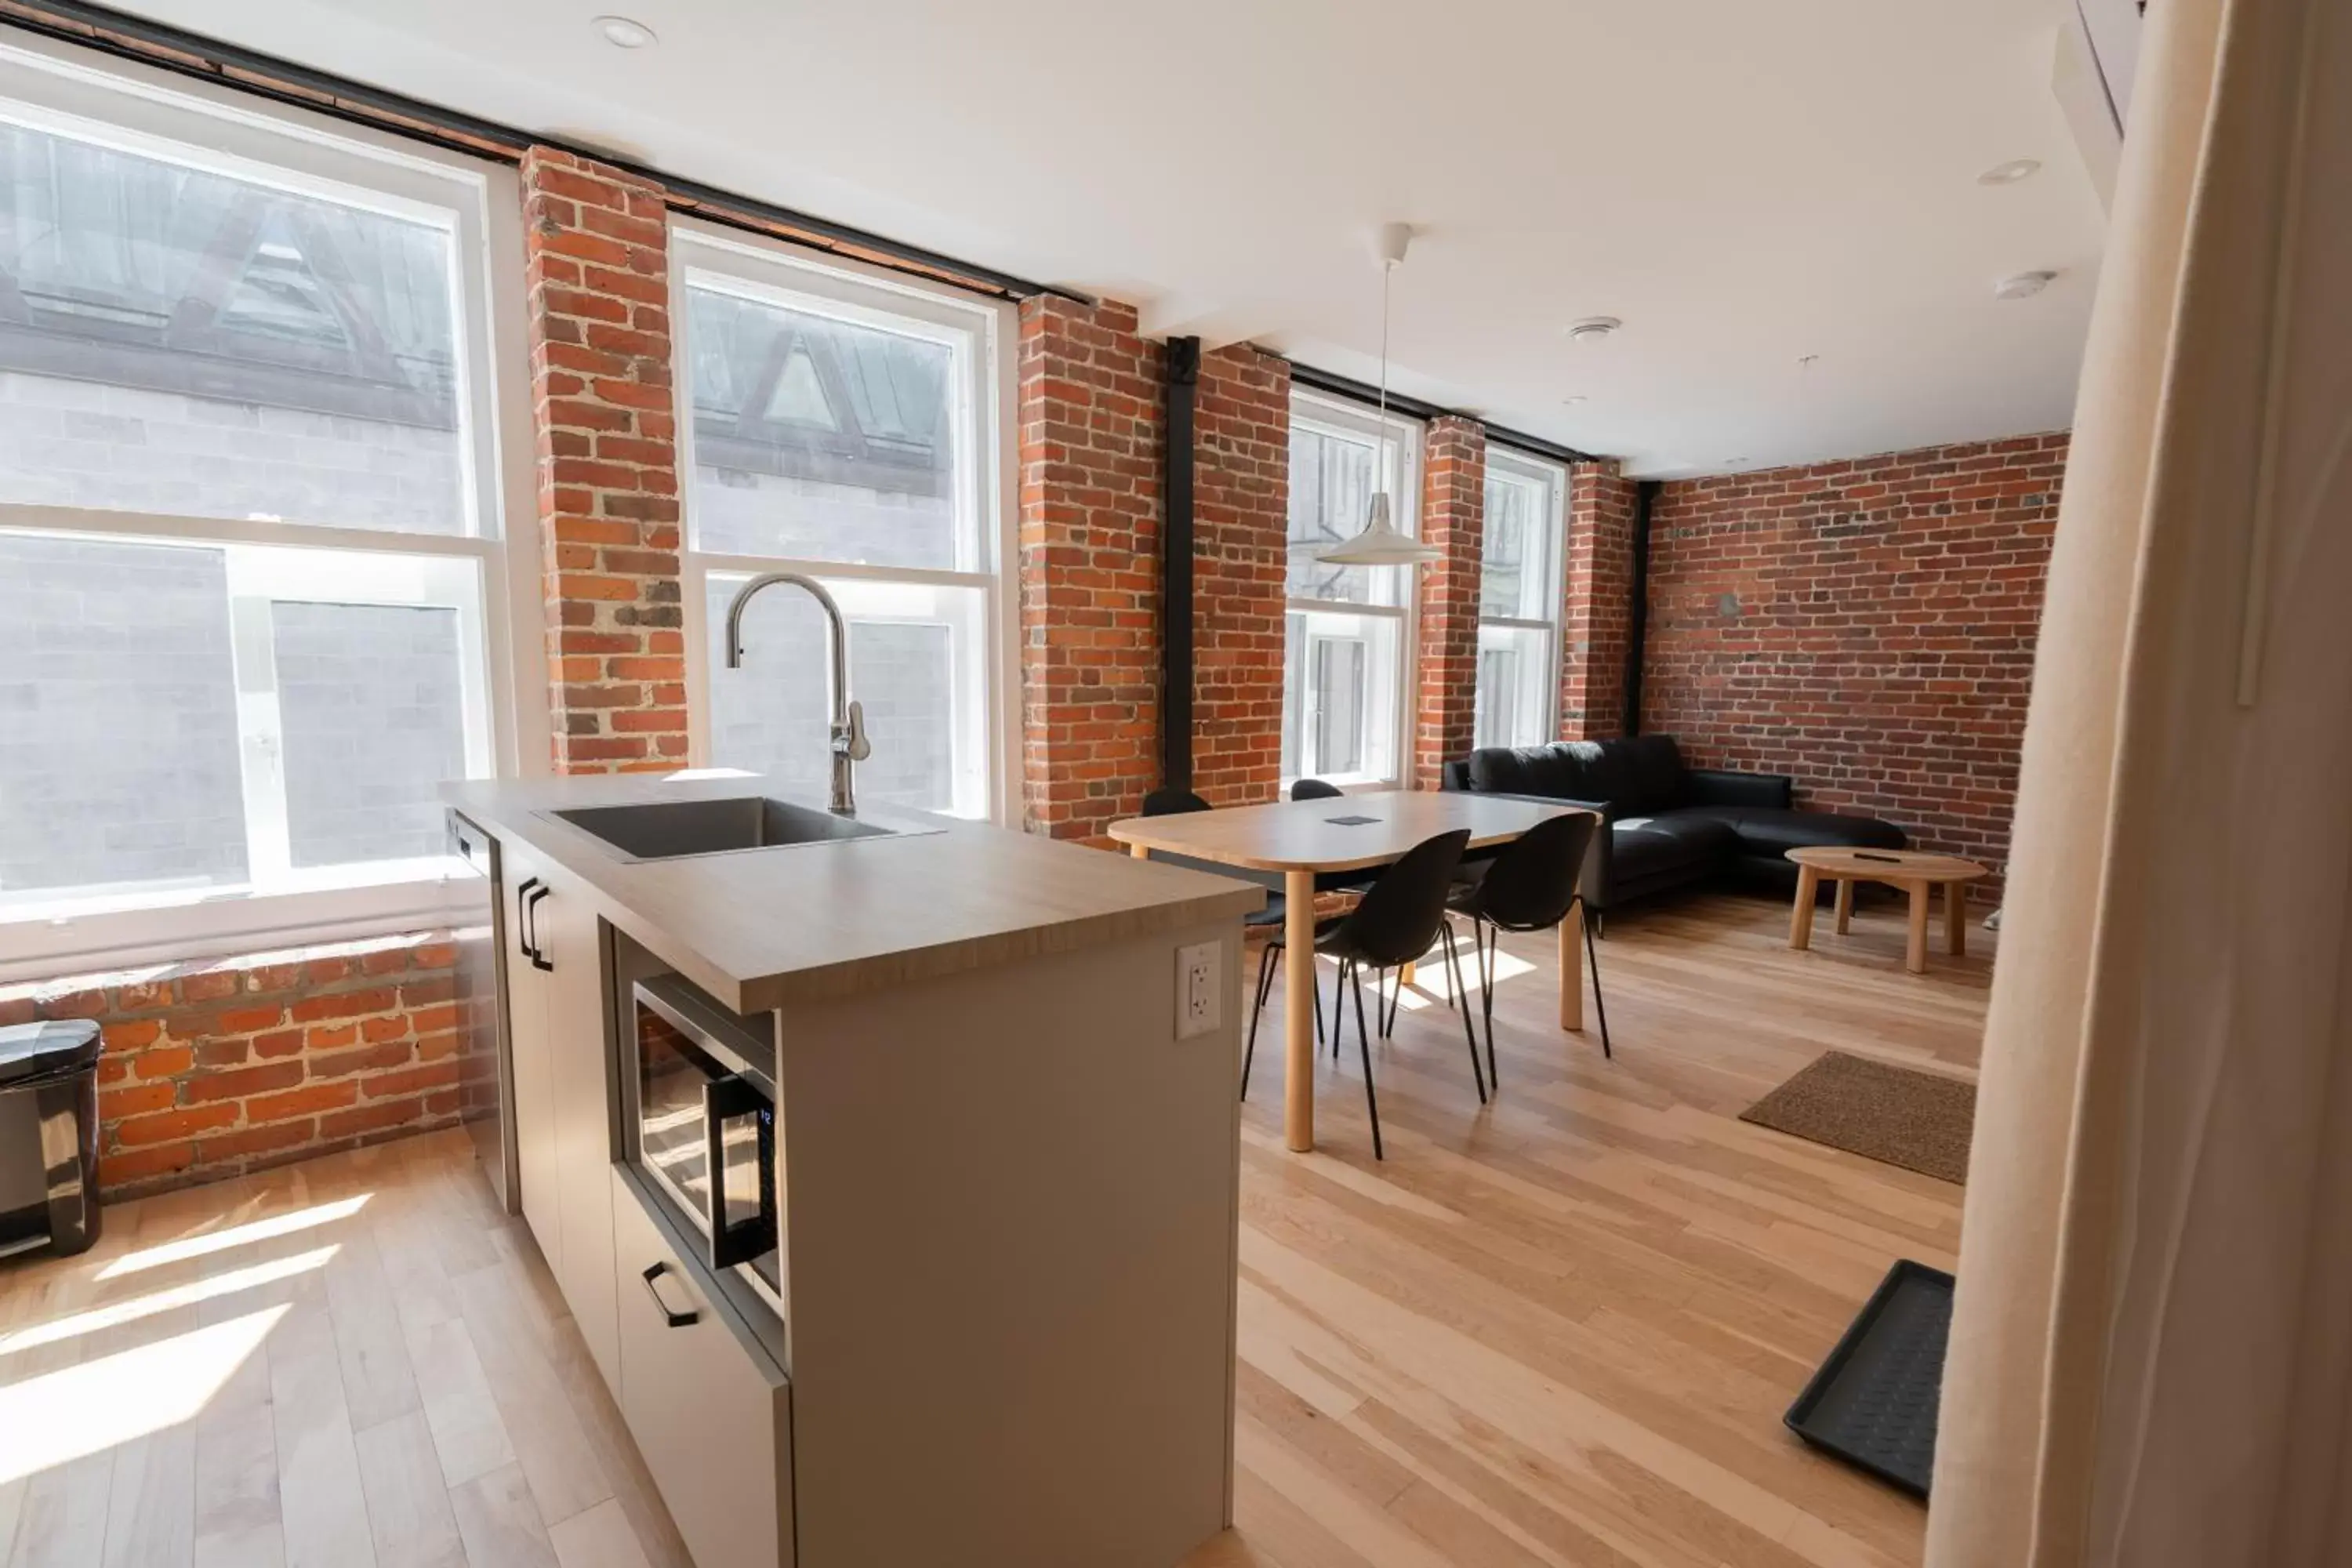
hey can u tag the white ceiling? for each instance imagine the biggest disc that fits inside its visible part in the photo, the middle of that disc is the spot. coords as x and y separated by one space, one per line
1744 183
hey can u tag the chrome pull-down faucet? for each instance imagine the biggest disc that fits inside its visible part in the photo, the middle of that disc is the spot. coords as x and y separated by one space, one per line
850 746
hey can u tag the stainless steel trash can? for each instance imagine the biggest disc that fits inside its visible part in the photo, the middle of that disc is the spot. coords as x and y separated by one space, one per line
48 1135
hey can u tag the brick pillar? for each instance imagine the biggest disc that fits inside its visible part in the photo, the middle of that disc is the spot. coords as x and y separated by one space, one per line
597 249
1241 507
1091 420
1452 519
1597 614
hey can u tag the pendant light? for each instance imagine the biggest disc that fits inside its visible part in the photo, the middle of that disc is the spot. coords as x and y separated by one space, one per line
1381 544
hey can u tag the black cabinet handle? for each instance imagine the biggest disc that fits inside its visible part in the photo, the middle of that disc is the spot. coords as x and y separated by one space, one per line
539 959
675 1320
522 916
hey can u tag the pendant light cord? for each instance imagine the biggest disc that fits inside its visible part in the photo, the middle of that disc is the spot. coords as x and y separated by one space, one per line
1387 271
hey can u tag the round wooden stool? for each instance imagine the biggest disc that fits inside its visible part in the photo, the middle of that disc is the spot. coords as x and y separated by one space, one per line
1915 874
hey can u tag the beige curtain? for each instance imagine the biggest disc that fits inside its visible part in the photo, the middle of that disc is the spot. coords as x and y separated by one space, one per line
2151 1358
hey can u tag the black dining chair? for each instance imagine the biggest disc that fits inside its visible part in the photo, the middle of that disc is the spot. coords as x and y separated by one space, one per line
1173 802
1530 885
1332 881
1401 915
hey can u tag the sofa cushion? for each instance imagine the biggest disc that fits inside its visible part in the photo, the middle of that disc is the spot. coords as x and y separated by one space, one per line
1771 832
1640 848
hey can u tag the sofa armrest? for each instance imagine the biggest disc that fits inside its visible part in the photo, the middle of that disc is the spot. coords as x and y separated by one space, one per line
1455 776
1721 786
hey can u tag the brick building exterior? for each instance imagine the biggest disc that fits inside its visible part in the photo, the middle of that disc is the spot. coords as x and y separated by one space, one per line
1867 625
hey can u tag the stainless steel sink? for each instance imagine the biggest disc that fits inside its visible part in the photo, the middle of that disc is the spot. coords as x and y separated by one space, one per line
669 829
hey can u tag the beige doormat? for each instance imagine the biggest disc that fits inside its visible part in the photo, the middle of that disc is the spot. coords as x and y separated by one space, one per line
1918 1121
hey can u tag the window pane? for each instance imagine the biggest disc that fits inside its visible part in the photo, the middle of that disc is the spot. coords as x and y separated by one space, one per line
193 343
1515 579
1515 697
119 759
1331 485
823 439
916 663
1340 712
371 708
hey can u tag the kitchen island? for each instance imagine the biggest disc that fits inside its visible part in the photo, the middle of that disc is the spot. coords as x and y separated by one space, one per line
987 1083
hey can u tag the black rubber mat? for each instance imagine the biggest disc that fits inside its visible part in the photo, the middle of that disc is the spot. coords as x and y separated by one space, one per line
1873 1402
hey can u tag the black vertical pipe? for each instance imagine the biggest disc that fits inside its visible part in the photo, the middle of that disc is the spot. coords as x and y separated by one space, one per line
1176 569
1637 634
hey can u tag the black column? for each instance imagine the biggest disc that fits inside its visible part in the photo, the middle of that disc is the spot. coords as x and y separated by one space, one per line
1176 569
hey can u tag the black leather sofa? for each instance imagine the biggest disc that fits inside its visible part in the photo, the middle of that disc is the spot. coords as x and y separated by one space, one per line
1669 825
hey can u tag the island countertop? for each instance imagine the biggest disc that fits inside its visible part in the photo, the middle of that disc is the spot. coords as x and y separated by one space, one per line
760 928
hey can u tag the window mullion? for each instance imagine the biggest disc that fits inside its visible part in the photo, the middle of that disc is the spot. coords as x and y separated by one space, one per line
260 729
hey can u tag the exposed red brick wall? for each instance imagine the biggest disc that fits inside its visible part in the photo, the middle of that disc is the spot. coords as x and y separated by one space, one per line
597 248
1454 520
1241 508
1867 627
216 1068
1597 606
1091 432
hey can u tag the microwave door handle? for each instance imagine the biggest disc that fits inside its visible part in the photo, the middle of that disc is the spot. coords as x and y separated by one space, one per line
726 1099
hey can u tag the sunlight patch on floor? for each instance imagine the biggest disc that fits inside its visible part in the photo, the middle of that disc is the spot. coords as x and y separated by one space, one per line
178 1296
234 1236
68 1414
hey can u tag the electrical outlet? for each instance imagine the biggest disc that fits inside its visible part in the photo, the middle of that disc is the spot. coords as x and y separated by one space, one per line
1199 990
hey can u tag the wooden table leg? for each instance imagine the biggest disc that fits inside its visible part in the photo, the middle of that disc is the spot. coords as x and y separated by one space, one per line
1407 973
1139 851
1297 1014
1915 948
1800 918
1572 968
1956 918
1844 904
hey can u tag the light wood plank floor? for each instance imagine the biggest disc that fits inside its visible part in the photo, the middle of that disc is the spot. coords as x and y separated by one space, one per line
1560 1330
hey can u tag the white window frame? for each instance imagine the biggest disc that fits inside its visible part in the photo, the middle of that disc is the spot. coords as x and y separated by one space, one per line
56 88
1554 479
774 272
1399 440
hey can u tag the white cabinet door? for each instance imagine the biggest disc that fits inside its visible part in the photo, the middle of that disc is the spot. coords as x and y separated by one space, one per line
711 1416
527 1000
579 1083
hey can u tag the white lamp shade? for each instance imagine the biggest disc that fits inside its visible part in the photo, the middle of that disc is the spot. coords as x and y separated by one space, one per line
1380 545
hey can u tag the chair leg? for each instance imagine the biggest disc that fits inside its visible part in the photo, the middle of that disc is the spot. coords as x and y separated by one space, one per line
1454 968
1490 962
1381 1013
1265 984
1364 1046
1593 962
1396 998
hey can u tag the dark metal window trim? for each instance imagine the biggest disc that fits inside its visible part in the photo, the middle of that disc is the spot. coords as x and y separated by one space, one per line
266 76
1354 390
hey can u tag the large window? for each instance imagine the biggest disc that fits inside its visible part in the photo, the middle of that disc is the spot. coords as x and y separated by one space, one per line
1347 634
846 426
1518 601
255 594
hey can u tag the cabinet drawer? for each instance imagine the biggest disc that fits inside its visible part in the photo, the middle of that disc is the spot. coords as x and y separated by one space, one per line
710 1411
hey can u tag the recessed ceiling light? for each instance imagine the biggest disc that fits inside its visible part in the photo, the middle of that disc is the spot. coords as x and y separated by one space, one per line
1573 399
2022 285
625 33
2009 174
1593 329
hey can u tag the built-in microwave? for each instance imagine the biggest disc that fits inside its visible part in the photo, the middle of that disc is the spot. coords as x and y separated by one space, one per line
704 1129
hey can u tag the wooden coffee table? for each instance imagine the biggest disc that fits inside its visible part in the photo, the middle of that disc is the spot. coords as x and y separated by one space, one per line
1915 874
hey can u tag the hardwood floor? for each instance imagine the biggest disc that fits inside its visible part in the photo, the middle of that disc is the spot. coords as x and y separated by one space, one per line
1558 1329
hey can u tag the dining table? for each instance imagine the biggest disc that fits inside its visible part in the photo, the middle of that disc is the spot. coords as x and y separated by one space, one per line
1303 839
